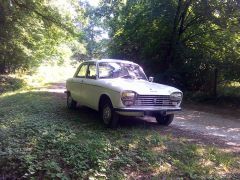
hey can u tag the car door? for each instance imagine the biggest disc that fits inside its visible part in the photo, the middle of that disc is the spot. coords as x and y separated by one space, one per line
90 89
77 83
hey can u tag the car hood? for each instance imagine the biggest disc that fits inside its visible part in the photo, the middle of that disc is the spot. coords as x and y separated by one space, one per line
139 86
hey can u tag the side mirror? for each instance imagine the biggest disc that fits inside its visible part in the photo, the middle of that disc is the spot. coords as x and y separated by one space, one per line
151 79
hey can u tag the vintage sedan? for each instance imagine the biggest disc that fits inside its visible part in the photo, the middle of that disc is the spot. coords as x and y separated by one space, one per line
120 88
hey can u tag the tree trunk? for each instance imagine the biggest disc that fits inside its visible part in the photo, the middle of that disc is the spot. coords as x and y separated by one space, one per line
2 67
171 49
2 22
215 83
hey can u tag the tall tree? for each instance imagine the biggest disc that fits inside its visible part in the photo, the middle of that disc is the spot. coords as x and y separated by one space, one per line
31 30
94 33
179 41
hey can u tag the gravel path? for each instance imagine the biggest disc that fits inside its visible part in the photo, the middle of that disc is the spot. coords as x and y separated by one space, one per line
225 128
221 129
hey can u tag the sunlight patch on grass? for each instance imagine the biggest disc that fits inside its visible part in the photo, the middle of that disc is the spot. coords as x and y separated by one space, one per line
231 89
12 93
50 74
45 75
40 137
165 168
159 149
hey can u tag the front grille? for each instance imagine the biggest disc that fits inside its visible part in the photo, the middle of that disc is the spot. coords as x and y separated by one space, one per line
153 100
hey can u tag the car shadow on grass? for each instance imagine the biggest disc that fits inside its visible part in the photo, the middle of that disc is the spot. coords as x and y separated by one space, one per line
45 139
87 117
92 118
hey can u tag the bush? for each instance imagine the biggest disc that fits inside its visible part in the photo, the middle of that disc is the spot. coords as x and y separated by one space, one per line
8 83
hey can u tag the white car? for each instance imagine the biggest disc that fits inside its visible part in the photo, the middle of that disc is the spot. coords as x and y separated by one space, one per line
117 87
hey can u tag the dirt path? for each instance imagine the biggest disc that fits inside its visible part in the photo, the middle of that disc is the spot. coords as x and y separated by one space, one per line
215 125
196 125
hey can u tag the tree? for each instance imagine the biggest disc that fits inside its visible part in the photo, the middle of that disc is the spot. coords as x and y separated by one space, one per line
181 42
93 33
31 31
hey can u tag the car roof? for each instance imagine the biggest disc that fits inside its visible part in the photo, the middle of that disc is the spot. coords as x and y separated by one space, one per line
110 60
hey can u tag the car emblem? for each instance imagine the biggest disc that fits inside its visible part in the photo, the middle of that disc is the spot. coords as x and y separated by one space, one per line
151 90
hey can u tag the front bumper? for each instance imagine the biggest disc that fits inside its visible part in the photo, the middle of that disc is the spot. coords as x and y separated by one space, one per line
141 111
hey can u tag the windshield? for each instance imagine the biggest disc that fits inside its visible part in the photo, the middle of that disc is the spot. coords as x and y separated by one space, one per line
110 70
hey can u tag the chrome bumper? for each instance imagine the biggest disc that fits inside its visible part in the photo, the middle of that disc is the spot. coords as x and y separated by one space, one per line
141 111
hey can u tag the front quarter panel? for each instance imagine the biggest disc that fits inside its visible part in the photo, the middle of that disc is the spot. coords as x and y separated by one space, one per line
105 88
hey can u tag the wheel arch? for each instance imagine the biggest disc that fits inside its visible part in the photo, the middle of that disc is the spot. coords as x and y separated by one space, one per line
102 98
67 92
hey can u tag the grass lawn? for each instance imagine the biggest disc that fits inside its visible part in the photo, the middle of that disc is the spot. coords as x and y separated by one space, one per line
41 139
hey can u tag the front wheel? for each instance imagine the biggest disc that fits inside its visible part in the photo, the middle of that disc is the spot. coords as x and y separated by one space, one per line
164 119
108 116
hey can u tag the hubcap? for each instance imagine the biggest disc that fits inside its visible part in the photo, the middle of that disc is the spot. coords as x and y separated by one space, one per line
107 113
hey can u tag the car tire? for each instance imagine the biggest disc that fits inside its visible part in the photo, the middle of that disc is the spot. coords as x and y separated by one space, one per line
108 116
164 120
71 104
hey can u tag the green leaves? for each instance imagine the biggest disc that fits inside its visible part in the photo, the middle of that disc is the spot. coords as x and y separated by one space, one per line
32 31
40 138
180 42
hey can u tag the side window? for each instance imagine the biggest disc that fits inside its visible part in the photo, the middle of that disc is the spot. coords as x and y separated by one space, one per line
104 70
92 71
82 71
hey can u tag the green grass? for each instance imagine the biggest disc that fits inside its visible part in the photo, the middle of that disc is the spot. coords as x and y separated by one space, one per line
42 76
230 89
228 96
40 138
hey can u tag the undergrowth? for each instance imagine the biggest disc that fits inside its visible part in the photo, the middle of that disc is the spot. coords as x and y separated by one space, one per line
8 83
41 139
228 95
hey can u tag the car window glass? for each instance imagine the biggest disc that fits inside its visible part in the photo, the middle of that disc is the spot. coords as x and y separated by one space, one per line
120 70
92 71
104 70
82 71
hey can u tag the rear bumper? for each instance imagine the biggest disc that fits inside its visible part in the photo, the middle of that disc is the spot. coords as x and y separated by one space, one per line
141 111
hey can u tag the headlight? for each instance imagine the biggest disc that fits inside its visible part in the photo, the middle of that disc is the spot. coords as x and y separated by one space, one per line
176 96
128 97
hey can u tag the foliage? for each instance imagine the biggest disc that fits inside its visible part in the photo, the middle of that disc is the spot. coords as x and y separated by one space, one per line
9 83
181 42
40 138
33 31
94 34
232 88
228 96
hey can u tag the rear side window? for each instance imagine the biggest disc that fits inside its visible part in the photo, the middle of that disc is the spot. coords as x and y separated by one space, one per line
82 71
92 71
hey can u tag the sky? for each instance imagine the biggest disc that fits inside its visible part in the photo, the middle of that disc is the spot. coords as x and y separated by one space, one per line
104 34
93 2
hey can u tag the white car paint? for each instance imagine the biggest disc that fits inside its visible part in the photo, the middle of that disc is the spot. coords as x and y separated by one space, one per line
89 91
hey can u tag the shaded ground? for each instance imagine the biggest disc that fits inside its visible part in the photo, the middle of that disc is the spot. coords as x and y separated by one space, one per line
41 139
221 127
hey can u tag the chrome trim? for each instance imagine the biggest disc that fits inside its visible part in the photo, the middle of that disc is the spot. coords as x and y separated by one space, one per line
154 101
148 108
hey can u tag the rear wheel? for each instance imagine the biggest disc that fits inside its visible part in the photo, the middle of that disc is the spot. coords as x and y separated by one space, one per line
71 104
164 119
108 116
